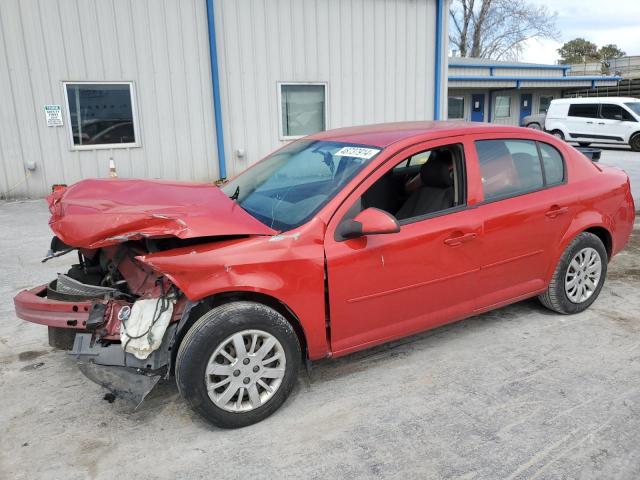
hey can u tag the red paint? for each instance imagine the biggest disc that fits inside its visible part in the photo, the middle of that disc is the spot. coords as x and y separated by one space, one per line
380 287
100 212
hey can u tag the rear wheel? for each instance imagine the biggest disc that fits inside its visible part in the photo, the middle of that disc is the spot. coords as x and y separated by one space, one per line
558 134
584 144
634 143
579 276
535 126
238 363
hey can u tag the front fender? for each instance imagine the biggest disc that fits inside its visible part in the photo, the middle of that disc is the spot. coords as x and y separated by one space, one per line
288 268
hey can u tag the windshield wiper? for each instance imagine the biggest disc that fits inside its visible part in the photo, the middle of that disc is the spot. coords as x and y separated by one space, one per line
236 194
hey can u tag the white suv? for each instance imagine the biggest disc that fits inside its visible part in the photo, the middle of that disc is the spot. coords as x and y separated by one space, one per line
601 120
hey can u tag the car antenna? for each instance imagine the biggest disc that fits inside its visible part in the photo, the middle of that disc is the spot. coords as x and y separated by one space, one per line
236 194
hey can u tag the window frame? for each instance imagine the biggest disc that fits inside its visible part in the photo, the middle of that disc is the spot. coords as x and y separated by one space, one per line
279 85
457 97
551 97
545 184
104 146
624 111
428 146
495 107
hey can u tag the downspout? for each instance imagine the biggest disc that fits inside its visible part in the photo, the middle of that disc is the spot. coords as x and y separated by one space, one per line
438 59
217 109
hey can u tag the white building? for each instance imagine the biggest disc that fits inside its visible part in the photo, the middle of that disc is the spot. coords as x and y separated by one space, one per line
200 89
484 90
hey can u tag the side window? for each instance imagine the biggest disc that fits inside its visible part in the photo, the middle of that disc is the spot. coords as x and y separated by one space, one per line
508 167
545 101
585 110
437 185
611 111
552 163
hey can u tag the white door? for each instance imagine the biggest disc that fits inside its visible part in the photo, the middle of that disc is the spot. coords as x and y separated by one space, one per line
616 123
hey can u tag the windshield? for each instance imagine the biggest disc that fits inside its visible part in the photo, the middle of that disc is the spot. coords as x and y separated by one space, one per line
291 185
634 107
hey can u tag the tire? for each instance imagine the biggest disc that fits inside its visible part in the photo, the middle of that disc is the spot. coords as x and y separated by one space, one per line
634 142
558 295
534 126
212 332
558 134
584 144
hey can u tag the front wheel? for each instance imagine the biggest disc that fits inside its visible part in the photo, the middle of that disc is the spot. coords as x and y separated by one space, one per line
578 277
534 126
238 363
634 142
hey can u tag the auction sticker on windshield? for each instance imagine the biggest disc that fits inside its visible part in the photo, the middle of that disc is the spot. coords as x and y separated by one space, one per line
357 152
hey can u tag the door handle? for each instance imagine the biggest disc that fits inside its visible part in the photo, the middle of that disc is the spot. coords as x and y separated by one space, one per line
600 123
459 239
556 211
590 122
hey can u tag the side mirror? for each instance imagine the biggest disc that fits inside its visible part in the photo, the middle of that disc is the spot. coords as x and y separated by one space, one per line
617 116
371 221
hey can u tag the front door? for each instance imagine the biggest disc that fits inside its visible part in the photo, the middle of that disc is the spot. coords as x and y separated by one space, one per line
382 287
477 107
525 106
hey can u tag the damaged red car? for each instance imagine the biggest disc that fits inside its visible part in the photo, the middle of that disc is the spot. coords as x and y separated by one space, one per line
335 243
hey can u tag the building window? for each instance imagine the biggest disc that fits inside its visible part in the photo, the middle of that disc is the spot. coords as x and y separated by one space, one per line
456 108
503 106
545 101
101 115
303 109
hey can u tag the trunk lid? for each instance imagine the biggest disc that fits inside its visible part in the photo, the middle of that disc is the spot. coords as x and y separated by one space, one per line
100 212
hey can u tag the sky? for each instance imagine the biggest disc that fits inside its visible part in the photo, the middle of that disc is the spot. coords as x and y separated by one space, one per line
599 21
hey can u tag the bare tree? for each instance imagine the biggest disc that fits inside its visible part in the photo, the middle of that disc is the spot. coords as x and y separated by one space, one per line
498 29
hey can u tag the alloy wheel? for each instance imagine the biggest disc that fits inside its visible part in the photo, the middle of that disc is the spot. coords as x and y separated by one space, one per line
245 371
583 275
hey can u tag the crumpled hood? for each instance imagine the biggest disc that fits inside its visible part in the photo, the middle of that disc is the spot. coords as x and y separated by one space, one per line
100 212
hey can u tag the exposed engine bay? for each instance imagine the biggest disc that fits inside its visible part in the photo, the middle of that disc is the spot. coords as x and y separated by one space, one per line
132 318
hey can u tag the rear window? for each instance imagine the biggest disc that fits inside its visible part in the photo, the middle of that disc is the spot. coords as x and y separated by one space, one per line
514 167
553 164
585 110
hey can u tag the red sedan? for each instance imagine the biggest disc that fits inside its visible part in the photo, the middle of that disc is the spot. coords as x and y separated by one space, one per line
334 243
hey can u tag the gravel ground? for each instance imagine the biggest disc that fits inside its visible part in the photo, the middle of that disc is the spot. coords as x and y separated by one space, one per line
515 393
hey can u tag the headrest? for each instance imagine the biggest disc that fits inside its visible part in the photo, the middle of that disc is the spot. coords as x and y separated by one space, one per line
436 171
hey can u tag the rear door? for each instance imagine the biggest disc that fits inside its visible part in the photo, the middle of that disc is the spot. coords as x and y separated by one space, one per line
382 287
526 210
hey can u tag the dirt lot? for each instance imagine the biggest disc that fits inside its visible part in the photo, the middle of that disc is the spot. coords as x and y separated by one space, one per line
516 393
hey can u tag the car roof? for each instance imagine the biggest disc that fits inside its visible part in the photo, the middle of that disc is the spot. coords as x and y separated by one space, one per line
596 100
384 134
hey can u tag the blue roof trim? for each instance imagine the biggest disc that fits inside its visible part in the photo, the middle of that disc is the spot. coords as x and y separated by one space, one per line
510 66
462 78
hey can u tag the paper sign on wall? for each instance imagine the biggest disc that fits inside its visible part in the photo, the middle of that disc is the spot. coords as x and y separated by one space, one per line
54 115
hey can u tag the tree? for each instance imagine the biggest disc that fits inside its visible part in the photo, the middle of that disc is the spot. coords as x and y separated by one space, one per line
610 51
498 29
579 50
